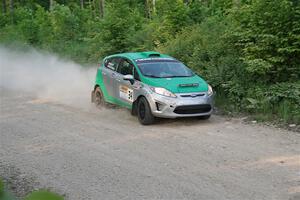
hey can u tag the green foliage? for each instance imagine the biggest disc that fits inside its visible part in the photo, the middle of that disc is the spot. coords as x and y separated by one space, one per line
36 195
4 195
204 49
247 50
115 30
1 187
43 195
268 34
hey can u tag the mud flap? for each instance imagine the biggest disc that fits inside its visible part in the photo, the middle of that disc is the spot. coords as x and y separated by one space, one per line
134 108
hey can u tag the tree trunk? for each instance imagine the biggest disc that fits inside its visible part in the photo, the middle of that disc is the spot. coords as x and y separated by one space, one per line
91 6
51 2
153 7
147 9
95 7
11 9
81 4
101 7
4 6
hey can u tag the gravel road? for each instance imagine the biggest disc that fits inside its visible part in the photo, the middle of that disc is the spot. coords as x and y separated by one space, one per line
85 154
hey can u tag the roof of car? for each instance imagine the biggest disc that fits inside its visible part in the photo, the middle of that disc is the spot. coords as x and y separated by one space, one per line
142 55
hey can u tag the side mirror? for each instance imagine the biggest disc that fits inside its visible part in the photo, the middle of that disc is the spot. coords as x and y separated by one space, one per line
129 78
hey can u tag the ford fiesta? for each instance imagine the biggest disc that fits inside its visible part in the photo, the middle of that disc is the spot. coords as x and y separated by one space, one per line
152 85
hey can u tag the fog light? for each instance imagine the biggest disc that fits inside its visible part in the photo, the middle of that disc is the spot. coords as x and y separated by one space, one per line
159 106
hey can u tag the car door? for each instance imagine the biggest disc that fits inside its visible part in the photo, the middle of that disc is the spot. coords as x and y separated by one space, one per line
124 88
109 75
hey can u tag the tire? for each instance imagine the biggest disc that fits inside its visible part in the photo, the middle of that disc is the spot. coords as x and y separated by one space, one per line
204 117
144 112
98 97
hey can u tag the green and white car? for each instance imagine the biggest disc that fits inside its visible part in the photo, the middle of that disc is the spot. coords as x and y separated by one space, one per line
152 85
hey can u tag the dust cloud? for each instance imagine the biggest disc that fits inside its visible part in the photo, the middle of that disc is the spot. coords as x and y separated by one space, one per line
46 76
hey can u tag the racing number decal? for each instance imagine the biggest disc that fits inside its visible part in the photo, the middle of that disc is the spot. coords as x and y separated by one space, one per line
126 93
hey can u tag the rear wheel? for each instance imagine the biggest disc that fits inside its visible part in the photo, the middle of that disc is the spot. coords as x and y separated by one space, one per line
98 98
144 112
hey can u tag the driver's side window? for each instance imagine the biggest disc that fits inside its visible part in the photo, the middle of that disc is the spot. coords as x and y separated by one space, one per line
125 67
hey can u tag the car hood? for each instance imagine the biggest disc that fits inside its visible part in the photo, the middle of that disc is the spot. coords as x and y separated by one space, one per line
179 84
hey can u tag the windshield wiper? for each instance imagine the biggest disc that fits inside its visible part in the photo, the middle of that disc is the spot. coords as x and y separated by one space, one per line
152 76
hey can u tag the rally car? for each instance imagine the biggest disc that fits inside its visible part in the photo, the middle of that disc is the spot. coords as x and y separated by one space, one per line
152 85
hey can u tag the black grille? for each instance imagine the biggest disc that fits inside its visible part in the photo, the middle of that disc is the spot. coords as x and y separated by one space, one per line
193 109
192 95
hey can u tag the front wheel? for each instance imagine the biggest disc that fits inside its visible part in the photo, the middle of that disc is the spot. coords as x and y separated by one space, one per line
144 112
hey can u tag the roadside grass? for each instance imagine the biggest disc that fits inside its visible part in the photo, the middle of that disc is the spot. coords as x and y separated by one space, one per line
4 194
36 195
283 114
43 195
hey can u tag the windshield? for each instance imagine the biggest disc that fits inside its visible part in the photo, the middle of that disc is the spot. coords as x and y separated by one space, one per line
165 69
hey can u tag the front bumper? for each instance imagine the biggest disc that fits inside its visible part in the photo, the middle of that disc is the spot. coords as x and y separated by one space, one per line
185 105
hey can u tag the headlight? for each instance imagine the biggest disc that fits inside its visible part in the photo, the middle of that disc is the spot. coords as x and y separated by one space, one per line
210 90
162 91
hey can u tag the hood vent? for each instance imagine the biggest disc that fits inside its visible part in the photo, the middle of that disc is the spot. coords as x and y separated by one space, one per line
154 55
151 54
189 85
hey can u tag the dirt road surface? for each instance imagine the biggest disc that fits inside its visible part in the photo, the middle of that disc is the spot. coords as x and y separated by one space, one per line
85 153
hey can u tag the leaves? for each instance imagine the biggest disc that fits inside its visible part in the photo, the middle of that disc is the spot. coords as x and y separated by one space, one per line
43 195
36 195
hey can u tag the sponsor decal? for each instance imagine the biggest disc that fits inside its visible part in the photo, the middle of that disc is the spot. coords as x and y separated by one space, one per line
126 93
111 66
